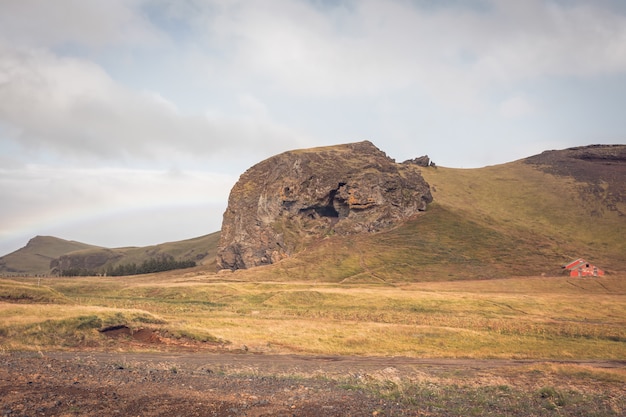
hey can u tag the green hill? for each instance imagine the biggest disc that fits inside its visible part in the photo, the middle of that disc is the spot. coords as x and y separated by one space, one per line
35 257
46 255
201 250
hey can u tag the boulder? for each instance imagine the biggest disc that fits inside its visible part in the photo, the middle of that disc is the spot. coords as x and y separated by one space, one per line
283 203
422 161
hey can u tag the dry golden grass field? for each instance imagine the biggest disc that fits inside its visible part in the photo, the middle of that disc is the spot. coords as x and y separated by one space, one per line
534 317
539 346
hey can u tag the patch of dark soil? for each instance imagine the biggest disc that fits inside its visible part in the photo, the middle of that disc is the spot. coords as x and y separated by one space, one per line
146 336
124 385
117 330
20 299
139 335
205 384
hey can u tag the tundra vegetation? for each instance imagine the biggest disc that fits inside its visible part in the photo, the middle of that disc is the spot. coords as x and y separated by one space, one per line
524 318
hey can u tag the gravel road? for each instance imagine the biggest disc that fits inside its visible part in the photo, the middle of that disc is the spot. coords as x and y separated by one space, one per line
227 384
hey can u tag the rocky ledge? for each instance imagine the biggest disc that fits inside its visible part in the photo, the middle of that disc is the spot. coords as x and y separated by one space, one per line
283 203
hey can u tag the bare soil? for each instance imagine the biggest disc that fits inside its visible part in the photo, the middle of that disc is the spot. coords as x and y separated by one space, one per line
148 374
245 384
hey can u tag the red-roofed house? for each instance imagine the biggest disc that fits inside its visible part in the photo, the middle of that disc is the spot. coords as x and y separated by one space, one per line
582 268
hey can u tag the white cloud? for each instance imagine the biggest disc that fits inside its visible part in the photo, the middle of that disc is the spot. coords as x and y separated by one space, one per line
76 22
253 106
73 107
456 55
538 38
516 107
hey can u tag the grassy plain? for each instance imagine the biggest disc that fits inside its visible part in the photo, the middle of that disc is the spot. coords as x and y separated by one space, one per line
524 318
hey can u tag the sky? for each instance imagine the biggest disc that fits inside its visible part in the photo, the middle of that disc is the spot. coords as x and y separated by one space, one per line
127 122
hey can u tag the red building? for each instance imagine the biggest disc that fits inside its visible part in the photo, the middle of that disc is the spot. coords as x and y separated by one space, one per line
582 268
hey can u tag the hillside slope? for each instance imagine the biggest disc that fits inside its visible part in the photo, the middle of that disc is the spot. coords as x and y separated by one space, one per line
201 250
520 198
517 219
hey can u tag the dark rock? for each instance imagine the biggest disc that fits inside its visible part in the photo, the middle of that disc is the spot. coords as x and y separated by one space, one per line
420 161
279 205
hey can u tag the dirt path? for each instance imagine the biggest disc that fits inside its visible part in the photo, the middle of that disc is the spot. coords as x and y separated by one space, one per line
226 384
308 365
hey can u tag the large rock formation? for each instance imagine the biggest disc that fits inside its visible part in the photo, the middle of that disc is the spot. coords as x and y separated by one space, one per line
280 204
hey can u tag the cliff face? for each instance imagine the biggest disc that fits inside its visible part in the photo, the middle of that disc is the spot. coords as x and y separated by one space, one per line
282 203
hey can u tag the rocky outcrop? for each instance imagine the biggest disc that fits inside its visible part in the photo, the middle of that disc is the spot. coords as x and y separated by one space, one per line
282 203
421 161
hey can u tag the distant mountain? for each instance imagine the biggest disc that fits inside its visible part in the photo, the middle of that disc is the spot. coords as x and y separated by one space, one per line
50 255
201 250
35 257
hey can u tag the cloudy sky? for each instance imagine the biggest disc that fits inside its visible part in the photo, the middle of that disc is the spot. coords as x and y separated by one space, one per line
126 122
